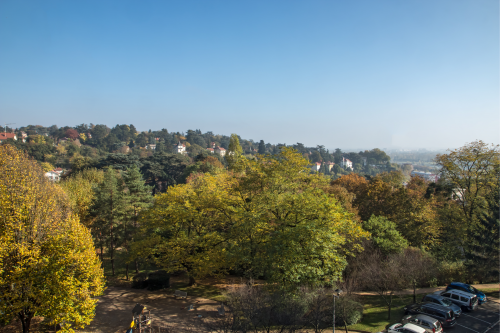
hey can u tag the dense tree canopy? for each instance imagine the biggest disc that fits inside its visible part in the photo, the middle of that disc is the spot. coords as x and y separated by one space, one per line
271 219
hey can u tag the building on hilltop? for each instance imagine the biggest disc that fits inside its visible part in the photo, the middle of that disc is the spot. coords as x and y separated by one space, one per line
221 151
53 176
180 148
346 163
431 177
316 166
329 165
6 136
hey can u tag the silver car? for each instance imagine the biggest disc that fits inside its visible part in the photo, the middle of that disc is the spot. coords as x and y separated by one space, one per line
438 299
407 328
431 325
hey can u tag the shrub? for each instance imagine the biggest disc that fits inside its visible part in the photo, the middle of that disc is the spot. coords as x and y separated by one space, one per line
140 281
158 280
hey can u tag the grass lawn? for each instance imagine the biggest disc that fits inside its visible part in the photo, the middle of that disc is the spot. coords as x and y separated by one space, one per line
375 312
198 290
491 292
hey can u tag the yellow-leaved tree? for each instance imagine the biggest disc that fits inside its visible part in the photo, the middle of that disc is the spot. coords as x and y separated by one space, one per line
48 265
80 188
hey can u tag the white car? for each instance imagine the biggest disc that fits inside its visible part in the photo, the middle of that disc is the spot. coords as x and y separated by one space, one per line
407 328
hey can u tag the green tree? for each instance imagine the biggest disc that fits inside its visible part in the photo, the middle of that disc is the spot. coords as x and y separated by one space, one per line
384 235
483 258
274 219
138 198
110 212
262 147
472 171
234 153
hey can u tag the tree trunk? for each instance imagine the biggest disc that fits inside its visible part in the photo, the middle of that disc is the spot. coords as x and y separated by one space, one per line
345 324
25 320
136 267
191 281
112 253
126 271
389 314
414 291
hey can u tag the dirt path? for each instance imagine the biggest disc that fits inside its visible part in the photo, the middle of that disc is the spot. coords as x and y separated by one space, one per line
114 309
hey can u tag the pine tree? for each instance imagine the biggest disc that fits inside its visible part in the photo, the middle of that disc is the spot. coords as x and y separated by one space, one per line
138 197
110 211
262 147
483 253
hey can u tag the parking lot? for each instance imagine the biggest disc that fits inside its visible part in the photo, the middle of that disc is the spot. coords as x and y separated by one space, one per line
484 319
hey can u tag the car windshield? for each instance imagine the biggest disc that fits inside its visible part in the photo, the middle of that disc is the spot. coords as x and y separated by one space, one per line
471 289
446 302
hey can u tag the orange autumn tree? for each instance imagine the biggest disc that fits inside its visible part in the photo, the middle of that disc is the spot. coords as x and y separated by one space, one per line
48 265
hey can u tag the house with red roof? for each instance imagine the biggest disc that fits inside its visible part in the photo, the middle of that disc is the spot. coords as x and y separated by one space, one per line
5 136
316 166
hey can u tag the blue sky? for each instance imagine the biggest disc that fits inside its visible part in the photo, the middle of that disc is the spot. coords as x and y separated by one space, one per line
348 74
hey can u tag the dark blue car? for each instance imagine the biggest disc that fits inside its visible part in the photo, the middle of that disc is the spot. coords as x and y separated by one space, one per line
469 289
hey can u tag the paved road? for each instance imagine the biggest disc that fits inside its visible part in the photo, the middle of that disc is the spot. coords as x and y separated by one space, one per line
486 318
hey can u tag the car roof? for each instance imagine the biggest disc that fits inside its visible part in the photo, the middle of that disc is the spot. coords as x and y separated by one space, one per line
426 318
434 296
459 292
458 284
414 328
436 307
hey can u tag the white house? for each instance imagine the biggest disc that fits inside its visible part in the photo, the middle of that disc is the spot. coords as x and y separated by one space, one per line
210 150
221 151
152 146
316 166
180 148
329 165
53 176
346 163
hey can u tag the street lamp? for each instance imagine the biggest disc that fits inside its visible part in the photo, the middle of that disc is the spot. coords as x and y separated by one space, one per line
338 292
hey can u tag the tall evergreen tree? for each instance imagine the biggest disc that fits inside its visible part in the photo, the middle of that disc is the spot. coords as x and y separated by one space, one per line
109 210
262 147
138 197
483 254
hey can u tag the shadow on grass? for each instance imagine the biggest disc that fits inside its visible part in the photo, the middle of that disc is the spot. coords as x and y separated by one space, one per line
491 293
375 312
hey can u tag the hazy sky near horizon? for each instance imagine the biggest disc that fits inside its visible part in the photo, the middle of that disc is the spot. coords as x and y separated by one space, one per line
348 74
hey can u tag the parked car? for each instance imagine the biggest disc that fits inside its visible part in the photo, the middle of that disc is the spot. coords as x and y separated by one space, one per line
438 299
465 300
439 312
468 289
407 328
431 325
